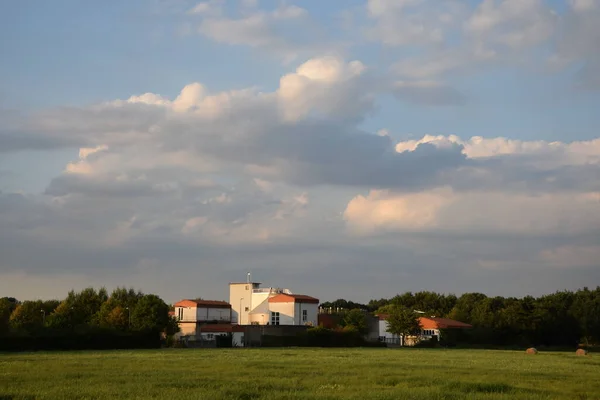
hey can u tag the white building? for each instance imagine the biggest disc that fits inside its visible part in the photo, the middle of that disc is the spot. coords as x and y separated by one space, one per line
191 314
253 305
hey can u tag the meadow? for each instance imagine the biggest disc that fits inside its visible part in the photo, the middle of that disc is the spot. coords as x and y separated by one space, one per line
299 374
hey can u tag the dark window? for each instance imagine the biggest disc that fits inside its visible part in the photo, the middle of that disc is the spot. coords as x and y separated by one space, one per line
274 318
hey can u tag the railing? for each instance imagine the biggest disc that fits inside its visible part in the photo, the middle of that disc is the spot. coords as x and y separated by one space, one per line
204 319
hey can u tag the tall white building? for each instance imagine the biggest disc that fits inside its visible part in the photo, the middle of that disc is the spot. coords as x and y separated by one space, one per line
253 305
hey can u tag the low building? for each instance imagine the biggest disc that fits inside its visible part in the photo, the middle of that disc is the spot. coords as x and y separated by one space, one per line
430 327
210 332
191 314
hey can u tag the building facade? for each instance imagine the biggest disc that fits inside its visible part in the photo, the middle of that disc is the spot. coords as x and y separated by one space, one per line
191 314
253 305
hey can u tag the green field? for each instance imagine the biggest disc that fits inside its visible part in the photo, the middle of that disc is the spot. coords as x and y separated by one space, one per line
299 374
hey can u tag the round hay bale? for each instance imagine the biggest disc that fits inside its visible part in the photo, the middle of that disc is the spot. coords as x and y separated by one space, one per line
531 350
581 352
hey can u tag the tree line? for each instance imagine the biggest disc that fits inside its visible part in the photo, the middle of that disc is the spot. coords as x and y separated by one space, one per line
564 318
90 312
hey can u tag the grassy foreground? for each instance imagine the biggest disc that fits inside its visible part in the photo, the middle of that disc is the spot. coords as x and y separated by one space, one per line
299 374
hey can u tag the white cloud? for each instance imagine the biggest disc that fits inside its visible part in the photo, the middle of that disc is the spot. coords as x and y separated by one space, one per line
473 213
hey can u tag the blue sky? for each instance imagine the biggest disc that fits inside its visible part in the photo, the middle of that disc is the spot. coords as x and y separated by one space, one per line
517 73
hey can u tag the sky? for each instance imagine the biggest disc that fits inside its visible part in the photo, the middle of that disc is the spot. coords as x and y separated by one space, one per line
343 149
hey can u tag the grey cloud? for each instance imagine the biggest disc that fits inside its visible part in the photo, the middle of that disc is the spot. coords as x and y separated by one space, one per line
434 95
519 173
68 184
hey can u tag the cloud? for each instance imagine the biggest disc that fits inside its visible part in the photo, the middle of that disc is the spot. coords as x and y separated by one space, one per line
411 22
302 133
505 187
475 212
286 31
578 42
439 42
428 93
515 24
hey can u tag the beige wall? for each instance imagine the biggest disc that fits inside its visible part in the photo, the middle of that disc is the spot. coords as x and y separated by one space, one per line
189 313
186 329
260 319
240 294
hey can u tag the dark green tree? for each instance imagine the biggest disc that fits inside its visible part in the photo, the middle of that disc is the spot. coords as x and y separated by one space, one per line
356 319
403 321
7 306
151 313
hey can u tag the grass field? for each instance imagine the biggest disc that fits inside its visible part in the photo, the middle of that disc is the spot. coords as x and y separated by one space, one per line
299 374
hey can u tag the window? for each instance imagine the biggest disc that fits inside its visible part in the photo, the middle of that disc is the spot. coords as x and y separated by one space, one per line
246 309
428 332
180 313
304 315
274 318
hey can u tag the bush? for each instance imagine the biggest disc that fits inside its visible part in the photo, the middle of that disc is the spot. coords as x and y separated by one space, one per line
89 339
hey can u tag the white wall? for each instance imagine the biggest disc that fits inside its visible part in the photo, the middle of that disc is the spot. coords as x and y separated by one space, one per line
238 339
311 315
291 313
286 312
189 313
383 332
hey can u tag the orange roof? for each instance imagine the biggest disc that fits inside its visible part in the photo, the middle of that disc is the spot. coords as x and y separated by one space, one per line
220 328
434 322
203 303
441 323
293 298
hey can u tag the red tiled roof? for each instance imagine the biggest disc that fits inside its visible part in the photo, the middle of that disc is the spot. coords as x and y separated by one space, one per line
203 303
434 322
293 298
220 328
441 323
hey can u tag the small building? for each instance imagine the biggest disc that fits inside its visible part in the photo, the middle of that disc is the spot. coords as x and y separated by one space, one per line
191 314
210 333
430 327
253 305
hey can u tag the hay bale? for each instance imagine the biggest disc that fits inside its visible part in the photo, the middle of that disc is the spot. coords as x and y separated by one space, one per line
531 350
581 352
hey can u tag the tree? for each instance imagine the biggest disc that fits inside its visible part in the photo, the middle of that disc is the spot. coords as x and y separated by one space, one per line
7 306
343 305
27 316
403 322
115 312
356 319
151 313
78 309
